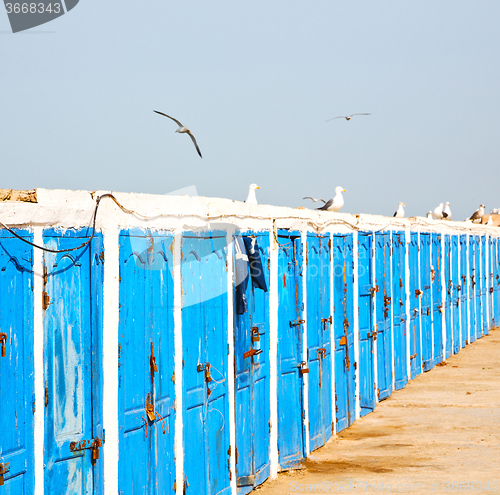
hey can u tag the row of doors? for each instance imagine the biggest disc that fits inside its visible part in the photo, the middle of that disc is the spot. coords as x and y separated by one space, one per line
72 350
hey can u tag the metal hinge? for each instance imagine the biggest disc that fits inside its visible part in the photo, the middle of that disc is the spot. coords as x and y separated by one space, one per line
46 394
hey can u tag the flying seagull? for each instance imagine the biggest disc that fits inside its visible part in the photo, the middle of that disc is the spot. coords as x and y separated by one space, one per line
400 213
315 199
477 215
336 203
251 198
347 117
439 213
182 129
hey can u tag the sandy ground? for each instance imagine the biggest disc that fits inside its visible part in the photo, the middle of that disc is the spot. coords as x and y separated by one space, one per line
440 434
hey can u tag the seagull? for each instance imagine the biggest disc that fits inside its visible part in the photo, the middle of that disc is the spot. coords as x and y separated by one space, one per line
336 203
477 215
347 117
315 199
439 213
490 221
429 214
182 129
447 210
251 198
400 213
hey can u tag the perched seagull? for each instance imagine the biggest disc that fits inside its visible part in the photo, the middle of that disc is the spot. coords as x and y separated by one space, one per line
490 221
400 213
477 215
315 199
251 198
336 203
182 130
439 213
447 210
429 214
347 117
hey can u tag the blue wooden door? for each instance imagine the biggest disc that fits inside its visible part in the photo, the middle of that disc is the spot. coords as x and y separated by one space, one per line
290 347
491 283
437 298
425 287
484 287
496 278
205 349
345 383
383 308
415 328
455 299
146 390
319 322
72 357
464 288
16 366
448 305
367 334
399 309
475 288
252 380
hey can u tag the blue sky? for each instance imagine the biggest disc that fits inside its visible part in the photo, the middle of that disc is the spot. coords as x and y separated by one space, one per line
255 82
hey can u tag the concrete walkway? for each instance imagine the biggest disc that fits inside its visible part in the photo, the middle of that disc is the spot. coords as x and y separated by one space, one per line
440 434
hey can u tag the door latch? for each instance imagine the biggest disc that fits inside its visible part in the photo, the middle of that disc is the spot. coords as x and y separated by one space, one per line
4 469
296 323
152 364
321 352
93 445
252 352
3 340
374 290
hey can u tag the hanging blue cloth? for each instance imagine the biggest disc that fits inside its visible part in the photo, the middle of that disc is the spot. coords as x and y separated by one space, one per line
240 275
255 262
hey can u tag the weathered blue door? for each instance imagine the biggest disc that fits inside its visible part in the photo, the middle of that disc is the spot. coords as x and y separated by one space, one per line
251 355
474 288
448 267
146 390
383 307
72 356
491 283
367 333
319 324
437 298
399 309
290 348
496 280
345 384
464 288
484 287
415 328
16 364
425 287
205 349
455 291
